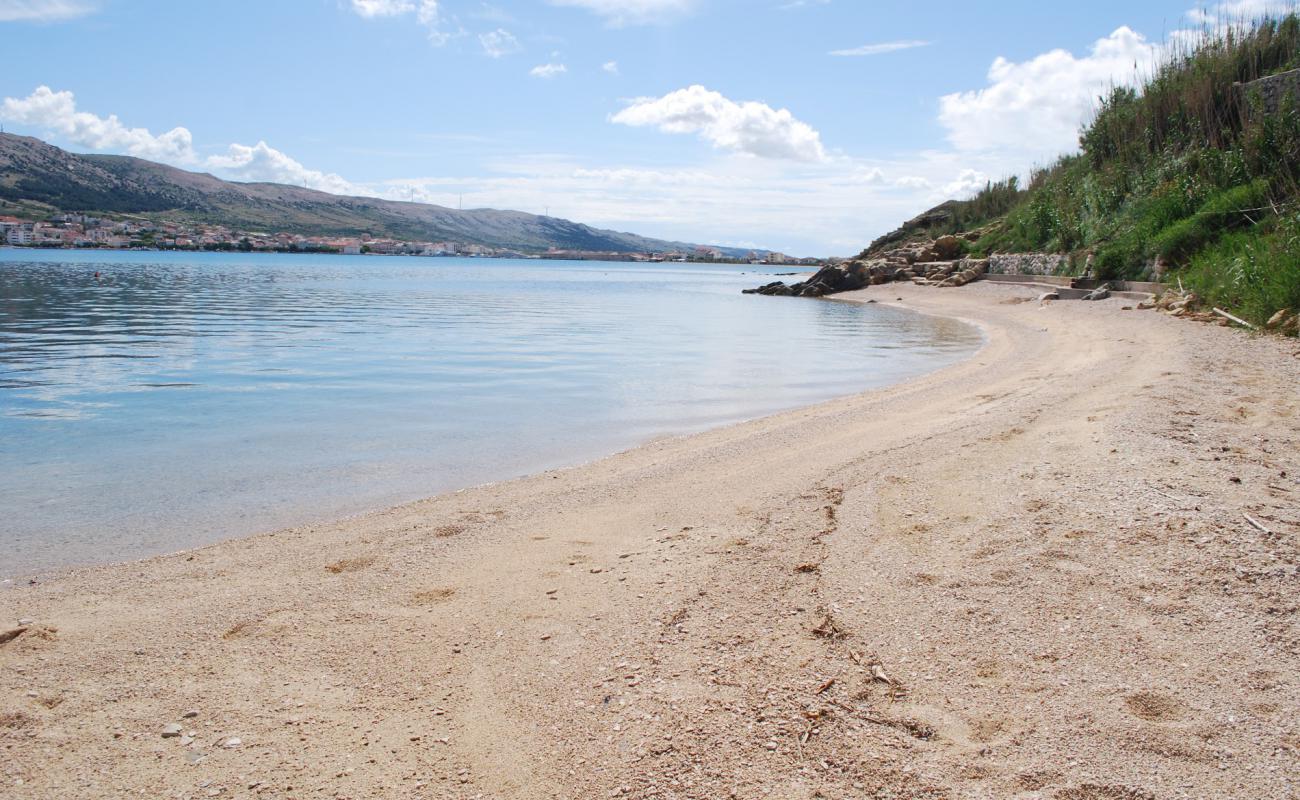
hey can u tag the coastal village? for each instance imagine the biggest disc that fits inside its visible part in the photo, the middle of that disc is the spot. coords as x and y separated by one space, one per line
126 232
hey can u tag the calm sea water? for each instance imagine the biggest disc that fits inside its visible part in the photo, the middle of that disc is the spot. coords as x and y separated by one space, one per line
179 399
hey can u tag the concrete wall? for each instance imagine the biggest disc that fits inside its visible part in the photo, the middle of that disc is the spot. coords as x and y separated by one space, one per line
1029 264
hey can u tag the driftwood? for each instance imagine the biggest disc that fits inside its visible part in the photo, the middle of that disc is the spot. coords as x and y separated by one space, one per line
1237 320
1256 523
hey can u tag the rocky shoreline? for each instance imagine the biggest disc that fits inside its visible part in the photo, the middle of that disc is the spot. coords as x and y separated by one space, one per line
936 263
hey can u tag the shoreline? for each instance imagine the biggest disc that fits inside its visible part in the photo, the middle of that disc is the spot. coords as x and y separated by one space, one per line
991 580
291 520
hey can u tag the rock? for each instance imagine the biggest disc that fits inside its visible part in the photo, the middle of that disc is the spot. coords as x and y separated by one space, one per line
947 247
171 731
187 740
1046 296
191 714
232 742
26 621
1275 322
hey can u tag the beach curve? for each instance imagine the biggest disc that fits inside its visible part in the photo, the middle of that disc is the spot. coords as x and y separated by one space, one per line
1028 572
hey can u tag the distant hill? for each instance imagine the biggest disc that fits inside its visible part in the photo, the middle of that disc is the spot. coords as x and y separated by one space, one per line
33 170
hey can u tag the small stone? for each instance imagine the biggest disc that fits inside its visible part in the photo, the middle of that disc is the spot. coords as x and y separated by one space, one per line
187 740
25 621
233 741
1278 320
596 570
191 714
771 745
171 731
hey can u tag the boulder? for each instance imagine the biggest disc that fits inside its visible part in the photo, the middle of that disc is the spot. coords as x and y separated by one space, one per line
947 248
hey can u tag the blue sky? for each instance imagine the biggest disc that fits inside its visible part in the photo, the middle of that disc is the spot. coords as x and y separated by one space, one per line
809 127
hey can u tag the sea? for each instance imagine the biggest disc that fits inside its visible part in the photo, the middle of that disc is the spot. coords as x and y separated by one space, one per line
157 401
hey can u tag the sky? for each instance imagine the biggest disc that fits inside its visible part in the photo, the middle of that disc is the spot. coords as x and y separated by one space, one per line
805 126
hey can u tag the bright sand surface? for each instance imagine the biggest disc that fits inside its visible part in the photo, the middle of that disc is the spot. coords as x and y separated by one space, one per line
1027 575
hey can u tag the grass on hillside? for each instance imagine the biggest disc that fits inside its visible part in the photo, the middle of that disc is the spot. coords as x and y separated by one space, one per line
1190 173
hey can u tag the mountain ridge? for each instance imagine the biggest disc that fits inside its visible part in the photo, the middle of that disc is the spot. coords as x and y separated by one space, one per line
35 171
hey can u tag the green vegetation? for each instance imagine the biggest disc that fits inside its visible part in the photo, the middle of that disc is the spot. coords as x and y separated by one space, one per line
1193 175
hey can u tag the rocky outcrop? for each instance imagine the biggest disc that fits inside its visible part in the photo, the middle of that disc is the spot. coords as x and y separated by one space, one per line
859 274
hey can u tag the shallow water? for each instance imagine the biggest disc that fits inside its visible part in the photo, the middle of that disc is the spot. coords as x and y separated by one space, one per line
180 399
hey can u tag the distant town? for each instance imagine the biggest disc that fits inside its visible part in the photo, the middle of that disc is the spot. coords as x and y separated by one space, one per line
123 232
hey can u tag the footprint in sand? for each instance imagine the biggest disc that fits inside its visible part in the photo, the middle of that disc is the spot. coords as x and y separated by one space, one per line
1094 791
1154 707
430 597
349 565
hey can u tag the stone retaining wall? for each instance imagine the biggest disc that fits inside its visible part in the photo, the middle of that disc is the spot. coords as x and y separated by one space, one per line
1272 89
1029 264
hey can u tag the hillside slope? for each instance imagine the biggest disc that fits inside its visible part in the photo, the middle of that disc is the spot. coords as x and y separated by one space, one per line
33 170
1193 177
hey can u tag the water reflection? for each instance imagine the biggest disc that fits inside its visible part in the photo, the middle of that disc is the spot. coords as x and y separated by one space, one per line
180 398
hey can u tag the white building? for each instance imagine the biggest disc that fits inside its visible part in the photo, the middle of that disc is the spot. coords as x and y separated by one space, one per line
22 233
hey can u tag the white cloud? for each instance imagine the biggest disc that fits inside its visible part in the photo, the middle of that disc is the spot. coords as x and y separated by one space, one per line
1036 108
611 67
912 182
499 42
751 128
44 10
382 8
632 12
426 14
1239 11
881 47
966 184
832 207
263 163
56 113
548 70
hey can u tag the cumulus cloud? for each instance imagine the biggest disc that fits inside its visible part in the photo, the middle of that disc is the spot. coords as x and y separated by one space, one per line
263 163
966 184
548 71
632 12
1035 108
499 42
881 48
43 10
751 128
611 67
56 113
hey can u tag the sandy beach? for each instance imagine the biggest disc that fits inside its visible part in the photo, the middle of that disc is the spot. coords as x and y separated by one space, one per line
1065 568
